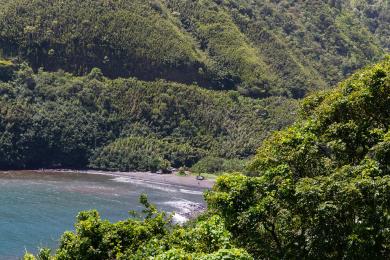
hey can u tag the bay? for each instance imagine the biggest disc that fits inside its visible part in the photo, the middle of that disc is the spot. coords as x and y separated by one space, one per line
37 207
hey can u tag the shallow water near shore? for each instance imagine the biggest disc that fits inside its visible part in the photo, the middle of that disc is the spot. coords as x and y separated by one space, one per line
37 207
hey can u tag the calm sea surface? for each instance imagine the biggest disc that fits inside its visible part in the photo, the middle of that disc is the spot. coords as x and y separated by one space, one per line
36 208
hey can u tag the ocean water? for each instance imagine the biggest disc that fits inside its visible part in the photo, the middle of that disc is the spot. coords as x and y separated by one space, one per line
36 208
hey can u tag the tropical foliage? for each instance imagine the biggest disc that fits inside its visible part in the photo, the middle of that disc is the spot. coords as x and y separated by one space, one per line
322 186
151 238
217 165
59 120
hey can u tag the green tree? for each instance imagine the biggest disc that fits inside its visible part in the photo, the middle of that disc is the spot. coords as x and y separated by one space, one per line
152 236
322 186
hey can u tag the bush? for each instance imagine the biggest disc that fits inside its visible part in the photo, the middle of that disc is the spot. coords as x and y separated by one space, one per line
151 236
218 165
143 153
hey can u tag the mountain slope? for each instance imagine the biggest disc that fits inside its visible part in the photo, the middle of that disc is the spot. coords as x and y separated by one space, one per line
260 48
121 37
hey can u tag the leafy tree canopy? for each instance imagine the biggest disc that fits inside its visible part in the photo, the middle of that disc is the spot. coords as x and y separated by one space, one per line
154 237
322 186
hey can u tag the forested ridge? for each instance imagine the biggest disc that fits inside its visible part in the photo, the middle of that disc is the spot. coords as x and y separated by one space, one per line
59 120
259 48
319 189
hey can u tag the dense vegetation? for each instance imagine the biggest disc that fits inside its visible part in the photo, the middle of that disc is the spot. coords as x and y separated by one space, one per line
151 238
59 120
322 185
320 190
116 85
260 48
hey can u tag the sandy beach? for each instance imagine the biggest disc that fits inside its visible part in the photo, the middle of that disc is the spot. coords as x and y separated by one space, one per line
172 179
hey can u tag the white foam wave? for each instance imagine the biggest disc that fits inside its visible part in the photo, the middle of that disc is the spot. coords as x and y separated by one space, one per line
194 192
179 219
156 186
183 206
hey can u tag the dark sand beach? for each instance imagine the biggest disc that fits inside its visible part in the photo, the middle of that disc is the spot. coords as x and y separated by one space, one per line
173 179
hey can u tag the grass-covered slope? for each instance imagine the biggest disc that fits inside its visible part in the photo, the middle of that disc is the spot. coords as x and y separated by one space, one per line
260 48
322 186
59 120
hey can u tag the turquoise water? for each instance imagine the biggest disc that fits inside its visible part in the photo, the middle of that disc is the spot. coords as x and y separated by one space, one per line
36 208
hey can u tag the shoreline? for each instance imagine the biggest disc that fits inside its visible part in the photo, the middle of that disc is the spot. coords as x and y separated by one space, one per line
167 182
167 179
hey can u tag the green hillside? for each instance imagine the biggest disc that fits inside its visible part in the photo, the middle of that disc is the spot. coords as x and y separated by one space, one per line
59 120
260 48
